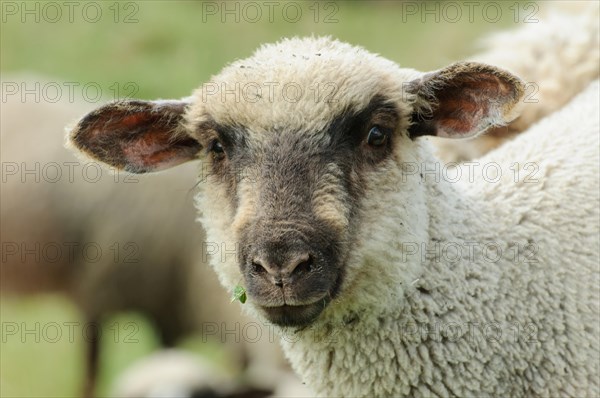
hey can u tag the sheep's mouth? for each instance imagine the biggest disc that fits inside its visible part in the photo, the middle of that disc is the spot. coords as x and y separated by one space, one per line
295 315
299 314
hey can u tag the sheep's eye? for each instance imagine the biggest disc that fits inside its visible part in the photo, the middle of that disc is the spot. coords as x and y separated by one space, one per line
376 137
216 147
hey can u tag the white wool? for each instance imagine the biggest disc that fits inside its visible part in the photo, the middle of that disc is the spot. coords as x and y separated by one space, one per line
299 85
407 324
483 320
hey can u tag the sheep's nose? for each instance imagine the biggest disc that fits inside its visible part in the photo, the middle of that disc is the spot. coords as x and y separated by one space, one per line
279 272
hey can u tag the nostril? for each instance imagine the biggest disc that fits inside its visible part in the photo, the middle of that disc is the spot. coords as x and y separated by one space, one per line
258 268
262 270
302 265
295 265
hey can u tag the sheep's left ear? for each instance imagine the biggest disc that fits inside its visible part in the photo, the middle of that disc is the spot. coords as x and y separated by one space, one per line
463 99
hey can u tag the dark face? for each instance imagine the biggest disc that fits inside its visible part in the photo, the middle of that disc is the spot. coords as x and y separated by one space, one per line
299 194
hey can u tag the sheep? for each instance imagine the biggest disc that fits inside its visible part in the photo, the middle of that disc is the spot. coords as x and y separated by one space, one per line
153 257
558 56
56 214
176 373
338 221
172 373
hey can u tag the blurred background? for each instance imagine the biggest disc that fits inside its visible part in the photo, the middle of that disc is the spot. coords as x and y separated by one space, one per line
85 247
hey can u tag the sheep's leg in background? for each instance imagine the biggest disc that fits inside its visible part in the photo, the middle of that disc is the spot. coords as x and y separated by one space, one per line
92 359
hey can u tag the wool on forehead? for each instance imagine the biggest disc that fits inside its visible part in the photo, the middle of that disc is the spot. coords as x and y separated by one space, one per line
302 83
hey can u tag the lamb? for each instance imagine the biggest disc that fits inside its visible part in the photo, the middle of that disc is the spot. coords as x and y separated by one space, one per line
343 232
558 56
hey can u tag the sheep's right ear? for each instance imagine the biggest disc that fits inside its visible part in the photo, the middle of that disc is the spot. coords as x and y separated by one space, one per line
136 136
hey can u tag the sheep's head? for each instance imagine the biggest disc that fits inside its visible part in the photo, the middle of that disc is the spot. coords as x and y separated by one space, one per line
300 146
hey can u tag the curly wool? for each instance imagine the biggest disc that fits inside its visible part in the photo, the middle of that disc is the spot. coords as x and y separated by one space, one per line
522 321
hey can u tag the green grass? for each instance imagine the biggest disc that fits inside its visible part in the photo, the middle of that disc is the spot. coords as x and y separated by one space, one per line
168 52
43 343
34 360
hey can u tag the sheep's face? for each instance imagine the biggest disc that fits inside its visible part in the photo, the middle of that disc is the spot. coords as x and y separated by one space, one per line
292 167
294 181
294 202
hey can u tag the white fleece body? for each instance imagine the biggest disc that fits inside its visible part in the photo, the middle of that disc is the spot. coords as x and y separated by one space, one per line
521 323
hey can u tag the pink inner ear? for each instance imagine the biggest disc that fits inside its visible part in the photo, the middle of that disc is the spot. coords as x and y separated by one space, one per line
134 120
461 123
148 150
467 109
157 150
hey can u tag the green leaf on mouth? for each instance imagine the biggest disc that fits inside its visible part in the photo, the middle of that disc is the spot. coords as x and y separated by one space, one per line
239 293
